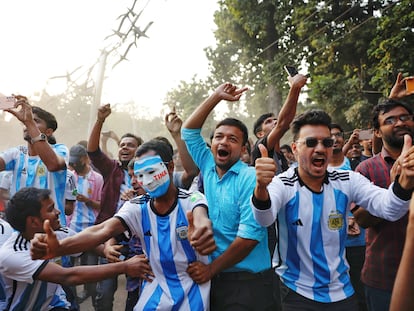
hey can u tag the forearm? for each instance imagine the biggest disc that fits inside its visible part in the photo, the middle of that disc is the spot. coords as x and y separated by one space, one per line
401 299
93 142
200 114
237 251
84 274
90 237
190 168
52 161
285 117
96 205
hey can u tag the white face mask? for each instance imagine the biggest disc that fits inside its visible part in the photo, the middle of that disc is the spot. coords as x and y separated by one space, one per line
152 175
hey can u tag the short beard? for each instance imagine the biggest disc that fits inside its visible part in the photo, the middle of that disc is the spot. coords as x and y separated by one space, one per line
395 142
337 150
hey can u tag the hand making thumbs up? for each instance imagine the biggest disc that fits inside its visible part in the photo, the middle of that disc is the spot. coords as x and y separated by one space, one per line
406 162
265 167
44 245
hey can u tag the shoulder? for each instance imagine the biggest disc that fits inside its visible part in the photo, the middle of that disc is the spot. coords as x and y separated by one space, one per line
339 175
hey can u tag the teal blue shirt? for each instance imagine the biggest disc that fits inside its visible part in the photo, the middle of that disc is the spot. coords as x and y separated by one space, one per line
229 204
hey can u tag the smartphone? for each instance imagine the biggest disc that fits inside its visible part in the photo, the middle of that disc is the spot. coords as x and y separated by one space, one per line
291 70
409 85
365 134
7 102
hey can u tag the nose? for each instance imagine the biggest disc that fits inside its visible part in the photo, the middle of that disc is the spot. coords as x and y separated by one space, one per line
146 180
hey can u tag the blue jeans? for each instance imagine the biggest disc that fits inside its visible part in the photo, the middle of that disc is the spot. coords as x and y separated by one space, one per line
105 291
377 299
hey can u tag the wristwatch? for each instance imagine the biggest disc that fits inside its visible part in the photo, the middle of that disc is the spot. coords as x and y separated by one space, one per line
41 137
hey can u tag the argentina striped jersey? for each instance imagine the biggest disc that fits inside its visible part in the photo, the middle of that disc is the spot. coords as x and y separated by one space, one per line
164 241
310 253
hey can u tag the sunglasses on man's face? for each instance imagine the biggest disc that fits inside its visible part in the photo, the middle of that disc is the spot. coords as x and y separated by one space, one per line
311 142
394 119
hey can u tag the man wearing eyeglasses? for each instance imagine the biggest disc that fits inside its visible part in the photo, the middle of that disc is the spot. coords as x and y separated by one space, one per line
392 120
311 205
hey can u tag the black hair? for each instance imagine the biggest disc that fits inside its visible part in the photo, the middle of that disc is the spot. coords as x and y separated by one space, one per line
311 117
24 203
159 146
137 138
236 123
46 116
287 147
336 126
165 140
257 126
385 106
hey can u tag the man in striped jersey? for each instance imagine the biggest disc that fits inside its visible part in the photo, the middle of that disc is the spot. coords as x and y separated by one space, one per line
170 222
5 232
311 206
41 164
88 202
33 284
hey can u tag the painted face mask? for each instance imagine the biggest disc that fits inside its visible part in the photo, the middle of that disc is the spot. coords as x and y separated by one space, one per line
152 175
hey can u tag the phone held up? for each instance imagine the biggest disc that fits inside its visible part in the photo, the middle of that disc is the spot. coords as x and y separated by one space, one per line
7 102
291 70
365 134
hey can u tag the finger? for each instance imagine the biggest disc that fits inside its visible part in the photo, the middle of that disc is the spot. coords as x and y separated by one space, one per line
407 144
190 220
263 151
399 77
174 109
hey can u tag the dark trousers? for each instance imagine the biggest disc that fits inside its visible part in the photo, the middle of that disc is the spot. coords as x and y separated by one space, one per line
355 256
292 301
105 291
242 291
377 299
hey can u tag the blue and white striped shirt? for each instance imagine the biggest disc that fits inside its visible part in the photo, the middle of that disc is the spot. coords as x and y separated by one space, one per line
310 253
30 171
164 241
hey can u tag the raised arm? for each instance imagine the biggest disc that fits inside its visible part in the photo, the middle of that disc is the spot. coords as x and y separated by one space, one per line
173 124
287 113
403 291
42 148
94 137
226 91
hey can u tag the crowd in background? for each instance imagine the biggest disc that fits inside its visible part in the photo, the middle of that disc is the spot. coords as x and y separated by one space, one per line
212 224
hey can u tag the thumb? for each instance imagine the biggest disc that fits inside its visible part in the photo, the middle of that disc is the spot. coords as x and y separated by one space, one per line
47 228
263 151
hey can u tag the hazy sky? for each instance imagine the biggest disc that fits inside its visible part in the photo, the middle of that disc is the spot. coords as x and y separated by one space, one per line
45 38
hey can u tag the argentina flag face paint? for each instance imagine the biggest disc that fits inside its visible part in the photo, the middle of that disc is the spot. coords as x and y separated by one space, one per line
152 175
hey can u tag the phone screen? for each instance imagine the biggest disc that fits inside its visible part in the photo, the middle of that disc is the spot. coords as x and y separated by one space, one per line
292 71
7 102
365 134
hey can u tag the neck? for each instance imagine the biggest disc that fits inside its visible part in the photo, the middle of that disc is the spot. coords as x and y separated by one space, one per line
336 159
164 203
315 184
84 172
393 152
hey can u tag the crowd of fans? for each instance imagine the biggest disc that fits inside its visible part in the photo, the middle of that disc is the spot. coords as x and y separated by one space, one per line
322 223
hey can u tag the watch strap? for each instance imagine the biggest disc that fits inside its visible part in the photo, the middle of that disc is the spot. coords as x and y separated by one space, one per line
41 137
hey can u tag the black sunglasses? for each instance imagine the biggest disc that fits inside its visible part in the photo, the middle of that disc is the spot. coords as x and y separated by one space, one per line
311 142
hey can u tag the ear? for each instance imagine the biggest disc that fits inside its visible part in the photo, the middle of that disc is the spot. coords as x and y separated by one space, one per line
260 134
377 133
243 149
33 222
294 148
170 166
